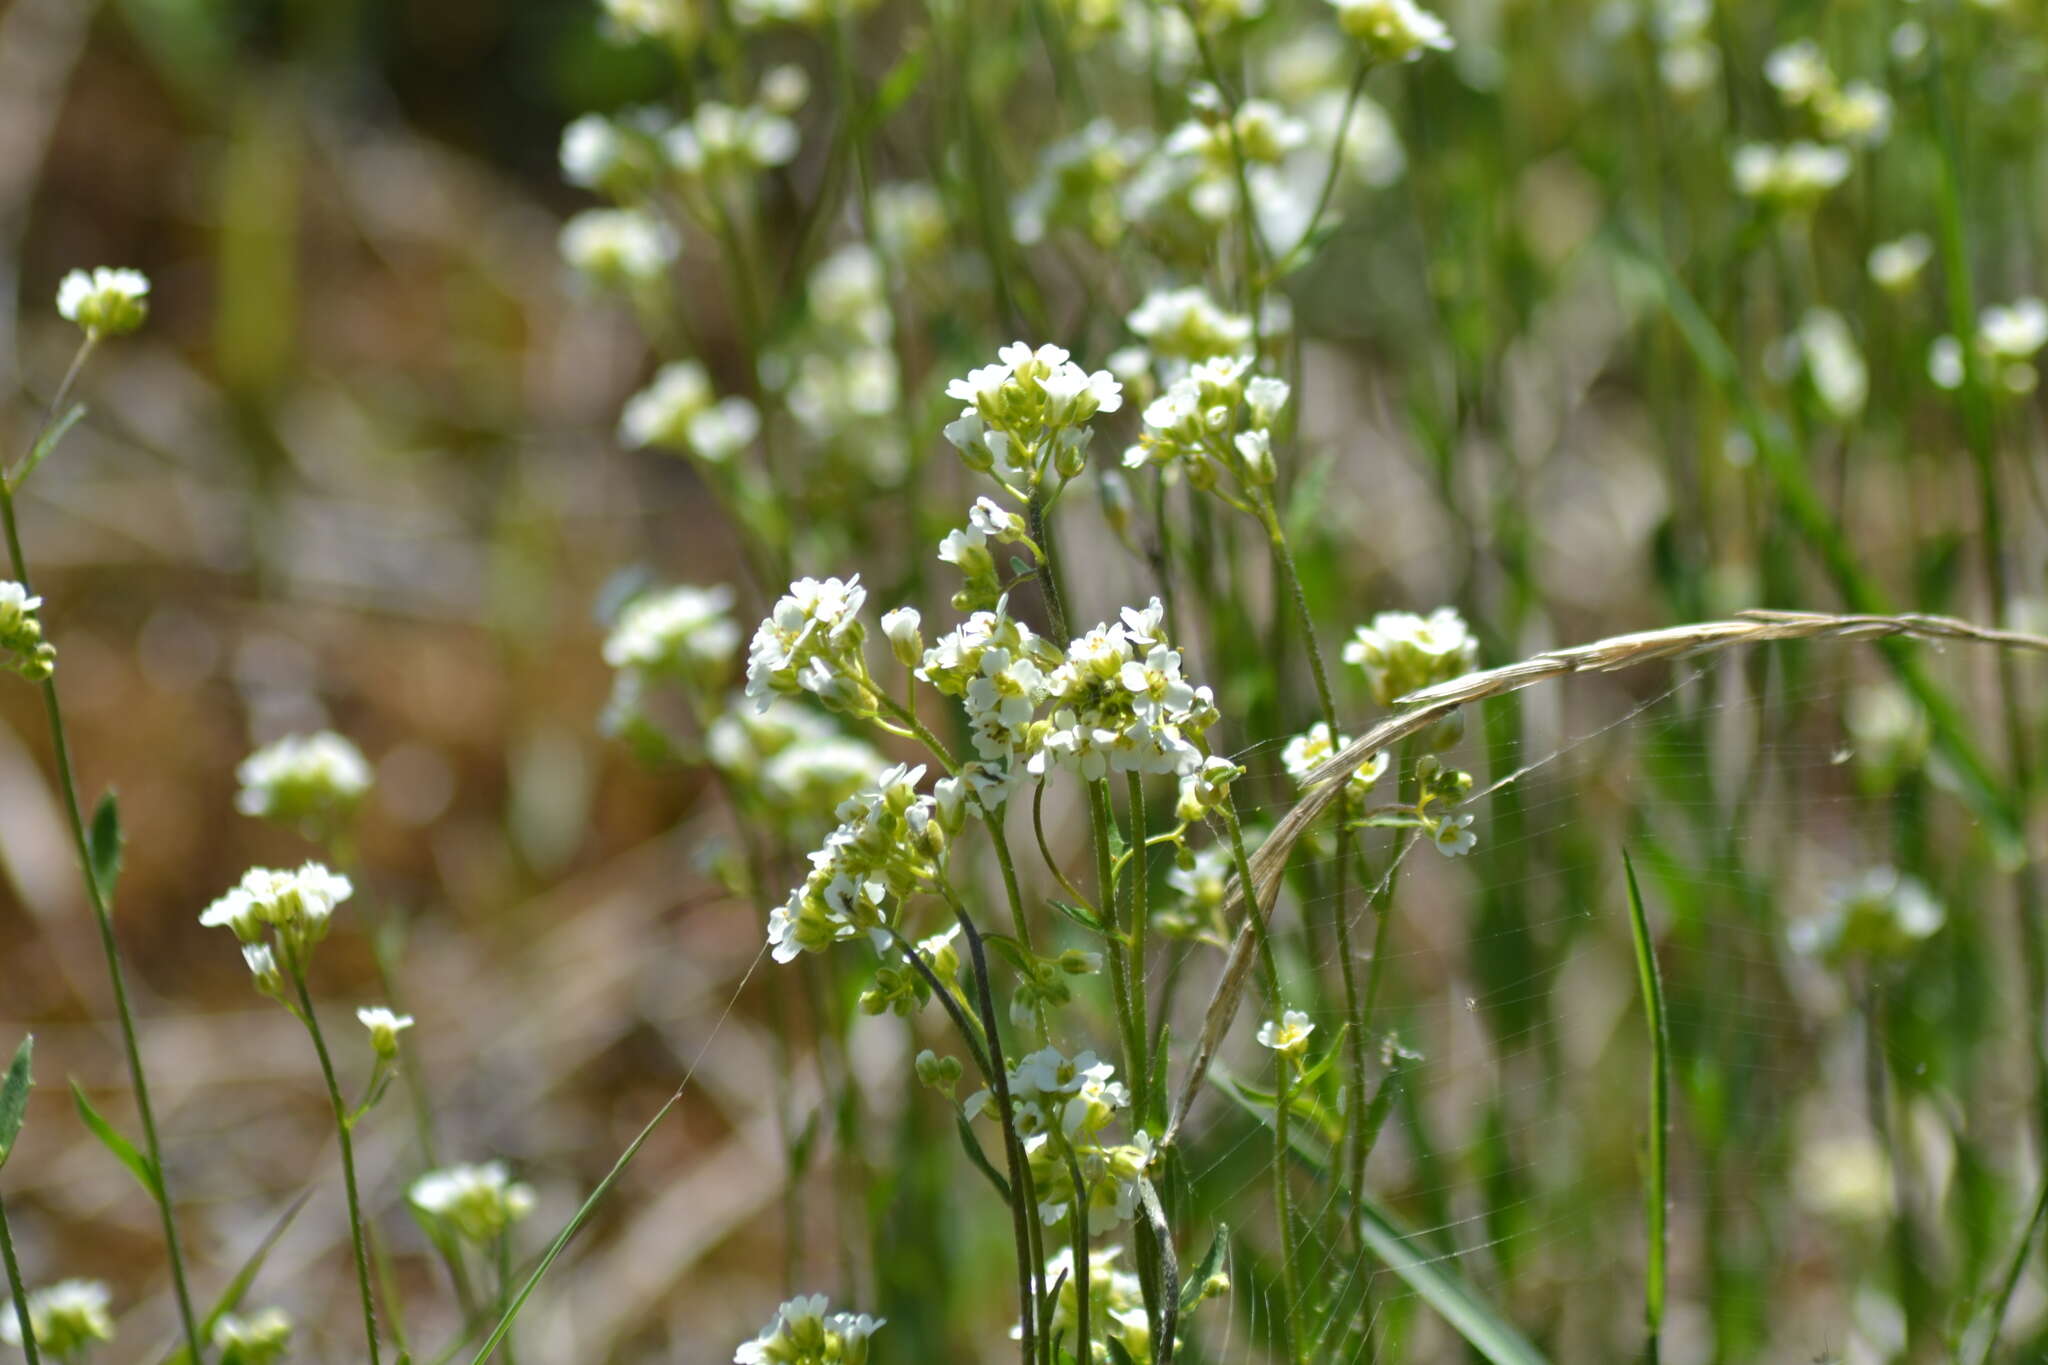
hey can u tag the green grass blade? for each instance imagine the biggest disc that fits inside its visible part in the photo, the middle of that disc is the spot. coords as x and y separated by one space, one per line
46 443
569 1230
14 1096
1656 1178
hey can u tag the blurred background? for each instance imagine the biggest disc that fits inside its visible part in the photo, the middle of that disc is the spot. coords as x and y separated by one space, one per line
359 472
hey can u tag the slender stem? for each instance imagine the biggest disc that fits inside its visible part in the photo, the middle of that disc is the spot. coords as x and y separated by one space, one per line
96 895
1055 590
1290 1296
2010 1282
18 1290
1078 1219
1128 1027
505 1290
1315 218
1141 913
311 1020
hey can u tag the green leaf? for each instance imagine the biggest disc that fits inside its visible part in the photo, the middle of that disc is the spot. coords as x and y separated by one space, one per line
124 1151
1081 915
104 842
1212 1261
1117 1354
47 442
14 1096
1015 953
896 87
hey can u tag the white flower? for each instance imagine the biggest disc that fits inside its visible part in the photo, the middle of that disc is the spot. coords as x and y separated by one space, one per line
384 1027
67 1318
1452 835
619 248
106 302
303 779
1288 1035
479 1202
1945 362
2013 331
1393 30
1895 265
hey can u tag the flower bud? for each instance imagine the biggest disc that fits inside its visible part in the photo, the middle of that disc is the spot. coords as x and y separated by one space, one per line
905 640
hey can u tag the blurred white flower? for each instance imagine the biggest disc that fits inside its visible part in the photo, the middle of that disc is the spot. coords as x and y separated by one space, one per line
105 302
478 1202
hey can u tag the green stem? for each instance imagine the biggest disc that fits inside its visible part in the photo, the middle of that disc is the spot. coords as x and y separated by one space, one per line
1141 914
67 785
1315 218
1290 1298
348 1152
1127 1024
18 1290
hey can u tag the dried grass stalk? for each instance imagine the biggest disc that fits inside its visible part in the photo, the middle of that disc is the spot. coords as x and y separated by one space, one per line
1420 710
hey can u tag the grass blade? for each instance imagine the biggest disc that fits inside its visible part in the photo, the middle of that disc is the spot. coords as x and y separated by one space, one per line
569 1230
1656 1178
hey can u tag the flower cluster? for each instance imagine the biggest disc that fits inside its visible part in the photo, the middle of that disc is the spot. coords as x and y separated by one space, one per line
276 912
679 411
67 1318
21 633
1119 703
1392 30
811 643
624 249
802 1333
1687 59
1401 652
837 373
1444 789
1187 326
1856 112
1116 1305
478 1202
723 144
258 1339
315 782
685 634
1061 1106
1793 175
1881 916
106 302
791 759
966 548
1215 419
1028 414
887 846
2008 338
999 670
1079 186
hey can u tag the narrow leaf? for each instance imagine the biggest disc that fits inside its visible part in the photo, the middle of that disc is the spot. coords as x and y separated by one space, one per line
47 442
124 1151
104 843
1080 915
1660 1104
14 1096
1212 1261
